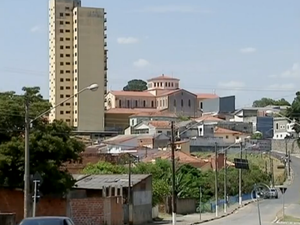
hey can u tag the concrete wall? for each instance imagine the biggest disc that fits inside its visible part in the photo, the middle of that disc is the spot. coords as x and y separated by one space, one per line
184 206
7 218
245 127
292 146
221 105
142 202
184 109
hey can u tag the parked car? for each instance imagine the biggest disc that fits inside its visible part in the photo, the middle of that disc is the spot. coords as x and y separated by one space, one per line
271 193
47 220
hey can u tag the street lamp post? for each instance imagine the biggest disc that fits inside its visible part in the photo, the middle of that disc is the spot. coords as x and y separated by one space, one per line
92 87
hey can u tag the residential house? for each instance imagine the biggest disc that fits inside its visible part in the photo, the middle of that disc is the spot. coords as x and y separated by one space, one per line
140 210
282 128
150 127
156 116
244 127
259 117
203 96
202 126
117 119
219 105
125 143
230 136
183 146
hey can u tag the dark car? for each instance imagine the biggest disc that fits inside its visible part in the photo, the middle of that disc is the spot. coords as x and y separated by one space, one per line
47 220
272 193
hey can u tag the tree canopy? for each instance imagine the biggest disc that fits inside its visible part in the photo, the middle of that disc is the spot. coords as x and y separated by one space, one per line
51 145
293 112
135 85
188 179
263 102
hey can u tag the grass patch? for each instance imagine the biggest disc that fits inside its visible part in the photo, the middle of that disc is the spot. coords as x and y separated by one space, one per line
288 218
264 163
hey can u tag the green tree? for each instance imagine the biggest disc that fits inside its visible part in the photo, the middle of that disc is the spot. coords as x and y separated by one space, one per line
135 85
51 145
293 113
263 102
257 136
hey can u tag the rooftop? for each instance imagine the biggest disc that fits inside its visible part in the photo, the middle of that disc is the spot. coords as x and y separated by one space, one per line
160 124
206 96
97 182
133 93
219 130
163 77
154 114
130 111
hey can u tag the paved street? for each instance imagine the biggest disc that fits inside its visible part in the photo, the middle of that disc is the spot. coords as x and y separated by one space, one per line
249 216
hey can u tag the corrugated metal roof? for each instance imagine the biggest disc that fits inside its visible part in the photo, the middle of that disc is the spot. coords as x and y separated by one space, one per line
97 182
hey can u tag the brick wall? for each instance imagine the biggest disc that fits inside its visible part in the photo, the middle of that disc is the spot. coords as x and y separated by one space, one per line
12 201
84 211
292 146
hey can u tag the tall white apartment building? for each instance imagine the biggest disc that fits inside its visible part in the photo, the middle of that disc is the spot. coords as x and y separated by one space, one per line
77 59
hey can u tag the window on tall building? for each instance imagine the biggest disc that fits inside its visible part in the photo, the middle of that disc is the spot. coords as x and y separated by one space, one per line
120 104
61 96
144 103
181 102
61 14
152 104
136 103
61 30
61 72
189 103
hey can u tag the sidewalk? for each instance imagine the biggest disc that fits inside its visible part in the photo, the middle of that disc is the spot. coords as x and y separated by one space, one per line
205 217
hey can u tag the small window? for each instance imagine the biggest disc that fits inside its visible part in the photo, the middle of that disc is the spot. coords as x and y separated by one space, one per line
61 22
181 102
61 47
61 79
68 55
68 88
68 96
68 39
144 103
61 55
61 30
61 14
67 14
68 79
67 22
61 72
68 103
61 96
68 112
61 63
227 137
189 103
61 88
61 112
67 31
61 39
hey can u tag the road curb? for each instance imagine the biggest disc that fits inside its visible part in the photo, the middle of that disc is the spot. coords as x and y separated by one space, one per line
223 216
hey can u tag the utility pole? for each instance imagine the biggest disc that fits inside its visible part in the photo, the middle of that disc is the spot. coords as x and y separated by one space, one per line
129 190
225 181
289 163
240 176
272 171
27 162
216 178
174 197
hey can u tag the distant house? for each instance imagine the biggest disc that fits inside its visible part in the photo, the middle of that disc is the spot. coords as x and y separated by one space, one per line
117 186
150 127
230 136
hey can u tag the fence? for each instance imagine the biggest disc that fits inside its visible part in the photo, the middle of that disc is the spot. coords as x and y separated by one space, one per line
211 206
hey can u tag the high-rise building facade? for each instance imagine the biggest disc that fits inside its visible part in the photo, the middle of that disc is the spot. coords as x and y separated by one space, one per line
77 59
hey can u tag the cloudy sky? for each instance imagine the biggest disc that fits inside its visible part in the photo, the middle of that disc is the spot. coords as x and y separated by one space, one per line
247 48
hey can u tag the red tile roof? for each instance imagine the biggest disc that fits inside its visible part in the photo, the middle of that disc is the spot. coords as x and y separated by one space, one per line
154 114
163 77
130 111
206 96
132 93
208 118
160 124
219 130
179 155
